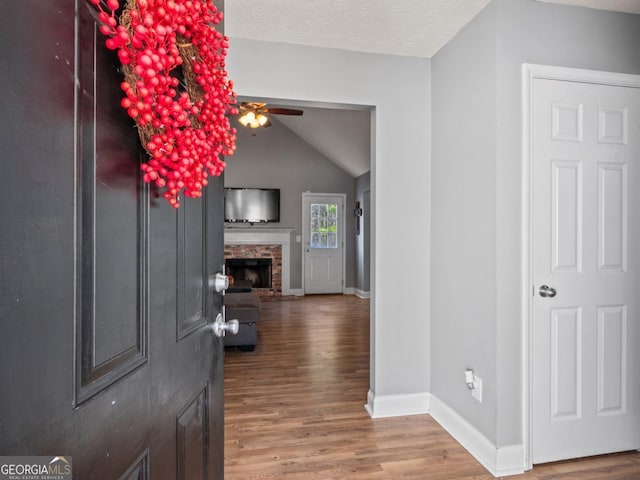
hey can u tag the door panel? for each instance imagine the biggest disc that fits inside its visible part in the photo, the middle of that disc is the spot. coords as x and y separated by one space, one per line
105 353
191 265
586 246
566 211
193 430
612 217
612 360
111 336
139 470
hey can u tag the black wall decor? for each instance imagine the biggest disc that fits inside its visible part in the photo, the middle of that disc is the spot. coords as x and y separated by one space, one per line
357 213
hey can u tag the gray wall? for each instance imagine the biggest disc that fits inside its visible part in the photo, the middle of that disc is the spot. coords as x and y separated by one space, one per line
463 256
399 177
476 190
277 158
363 241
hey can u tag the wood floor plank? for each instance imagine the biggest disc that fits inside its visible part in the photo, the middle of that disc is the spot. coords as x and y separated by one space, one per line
295 409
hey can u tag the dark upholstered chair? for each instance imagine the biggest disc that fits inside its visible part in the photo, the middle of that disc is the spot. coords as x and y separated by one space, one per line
245 307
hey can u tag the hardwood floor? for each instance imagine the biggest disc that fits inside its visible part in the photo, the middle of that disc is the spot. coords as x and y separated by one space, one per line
294 409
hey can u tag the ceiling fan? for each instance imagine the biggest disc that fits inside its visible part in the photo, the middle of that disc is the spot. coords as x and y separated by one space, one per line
253 114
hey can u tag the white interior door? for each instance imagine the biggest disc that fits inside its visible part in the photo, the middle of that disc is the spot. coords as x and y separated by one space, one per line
586 250
323 239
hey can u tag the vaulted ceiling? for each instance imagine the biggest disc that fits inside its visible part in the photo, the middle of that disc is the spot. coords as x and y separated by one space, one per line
343 136
416 28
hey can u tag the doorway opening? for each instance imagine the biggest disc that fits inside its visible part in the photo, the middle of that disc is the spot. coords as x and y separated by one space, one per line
354 244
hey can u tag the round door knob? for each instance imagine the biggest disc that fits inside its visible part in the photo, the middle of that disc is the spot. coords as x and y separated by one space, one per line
546 291
220 327
219 282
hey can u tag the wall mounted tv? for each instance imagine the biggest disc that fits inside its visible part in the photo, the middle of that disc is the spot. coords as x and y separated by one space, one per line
252 205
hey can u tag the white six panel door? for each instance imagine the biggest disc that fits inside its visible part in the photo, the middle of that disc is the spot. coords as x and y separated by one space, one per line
586 249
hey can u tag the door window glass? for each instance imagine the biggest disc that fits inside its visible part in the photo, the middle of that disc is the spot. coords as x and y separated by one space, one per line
324 225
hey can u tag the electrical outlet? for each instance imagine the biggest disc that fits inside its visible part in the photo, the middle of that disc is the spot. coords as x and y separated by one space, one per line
477 391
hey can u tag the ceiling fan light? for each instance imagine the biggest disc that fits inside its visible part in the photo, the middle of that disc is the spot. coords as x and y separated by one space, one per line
254 119
247 119
243 120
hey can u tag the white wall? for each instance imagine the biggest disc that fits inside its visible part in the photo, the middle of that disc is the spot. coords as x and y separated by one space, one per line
476 318
398 88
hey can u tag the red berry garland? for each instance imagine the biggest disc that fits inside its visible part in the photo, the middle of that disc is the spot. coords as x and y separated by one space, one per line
184 132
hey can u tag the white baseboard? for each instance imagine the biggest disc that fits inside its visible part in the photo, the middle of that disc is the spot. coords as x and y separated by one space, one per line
362 294
500 461
298 292
355 291
380 406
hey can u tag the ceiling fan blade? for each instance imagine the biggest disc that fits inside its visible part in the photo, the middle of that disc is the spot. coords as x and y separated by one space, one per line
252 105
284 111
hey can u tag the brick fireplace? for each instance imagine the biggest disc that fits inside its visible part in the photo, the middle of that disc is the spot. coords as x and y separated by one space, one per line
259 253
274 243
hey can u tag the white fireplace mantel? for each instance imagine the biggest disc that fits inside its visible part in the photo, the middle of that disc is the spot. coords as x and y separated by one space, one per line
265 236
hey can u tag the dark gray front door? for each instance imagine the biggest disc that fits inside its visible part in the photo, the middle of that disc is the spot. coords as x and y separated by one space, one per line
106 350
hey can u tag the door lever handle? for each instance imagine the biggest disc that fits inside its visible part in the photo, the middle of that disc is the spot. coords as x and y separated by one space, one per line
546 291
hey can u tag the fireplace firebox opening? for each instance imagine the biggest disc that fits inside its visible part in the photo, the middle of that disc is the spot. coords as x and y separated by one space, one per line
255 270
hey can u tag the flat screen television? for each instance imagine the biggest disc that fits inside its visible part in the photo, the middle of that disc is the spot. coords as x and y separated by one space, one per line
252 205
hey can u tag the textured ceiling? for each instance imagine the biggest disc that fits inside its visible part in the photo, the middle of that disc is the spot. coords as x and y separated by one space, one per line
401 27
629 6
